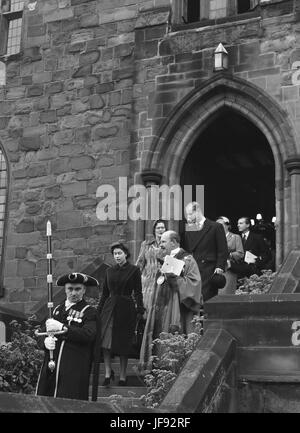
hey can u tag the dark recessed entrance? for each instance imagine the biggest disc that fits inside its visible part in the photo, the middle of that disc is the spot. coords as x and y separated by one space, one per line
234 162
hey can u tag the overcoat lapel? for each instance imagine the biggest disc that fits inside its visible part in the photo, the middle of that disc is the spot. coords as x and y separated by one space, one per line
198 235
129 271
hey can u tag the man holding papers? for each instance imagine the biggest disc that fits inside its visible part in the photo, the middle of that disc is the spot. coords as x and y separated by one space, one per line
181 279
176 297
256 249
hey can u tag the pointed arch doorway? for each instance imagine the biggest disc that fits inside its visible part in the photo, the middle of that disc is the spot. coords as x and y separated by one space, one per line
233 161
263 116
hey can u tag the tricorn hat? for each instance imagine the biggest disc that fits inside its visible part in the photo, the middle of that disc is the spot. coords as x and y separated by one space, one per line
217 281
77 278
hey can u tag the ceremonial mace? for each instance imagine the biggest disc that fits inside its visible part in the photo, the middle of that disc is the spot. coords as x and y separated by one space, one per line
51 363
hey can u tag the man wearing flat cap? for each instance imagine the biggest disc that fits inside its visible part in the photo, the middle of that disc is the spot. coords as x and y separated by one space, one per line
72 350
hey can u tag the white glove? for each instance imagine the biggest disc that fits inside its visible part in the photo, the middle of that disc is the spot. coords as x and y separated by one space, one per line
219 271
53 325
50 343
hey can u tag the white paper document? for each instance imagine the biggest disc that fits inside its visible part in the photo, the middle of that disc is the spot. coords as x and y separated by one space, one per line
249 257
172 265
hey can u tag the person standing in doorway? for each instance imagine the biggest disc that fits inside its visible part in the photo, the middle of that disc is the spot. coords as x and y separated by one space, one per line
255 244
236 254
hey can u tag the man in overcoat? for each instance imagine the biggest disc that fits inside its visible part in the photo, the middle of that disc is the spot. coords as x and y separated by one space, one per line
206 240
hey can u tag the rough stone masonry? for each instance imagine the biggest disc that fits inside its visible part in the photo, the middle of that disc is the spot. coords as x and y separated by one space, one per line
84 100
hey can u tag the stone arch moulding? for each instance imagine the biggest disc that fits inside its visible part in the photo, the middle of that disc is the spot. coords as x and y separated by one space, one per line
176 136
5 225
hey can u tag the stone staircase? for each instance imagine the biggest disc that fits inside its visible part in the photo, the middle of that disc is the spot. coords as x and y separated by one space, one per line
124 396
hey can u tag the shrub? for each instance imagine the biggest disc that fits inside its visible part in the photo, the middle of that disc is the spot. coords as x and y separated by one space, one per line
172 351
92 301
20 360
256 284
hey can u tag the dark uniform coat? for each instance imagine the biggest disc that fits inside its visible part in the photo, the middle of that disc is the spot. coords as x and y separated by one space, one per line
72 354
121 300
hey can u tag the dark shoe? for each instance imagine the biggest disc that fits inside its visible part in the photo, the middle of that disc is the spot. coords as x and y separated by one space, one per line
122 382
107 380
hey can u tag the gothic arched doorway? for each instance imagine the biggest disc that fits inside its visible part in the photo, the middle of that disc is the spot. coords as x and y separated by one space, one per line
264 118
233 160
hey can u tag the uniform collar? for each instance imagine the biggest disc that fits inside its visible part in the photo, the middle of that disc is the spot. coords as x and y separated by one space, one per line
69 304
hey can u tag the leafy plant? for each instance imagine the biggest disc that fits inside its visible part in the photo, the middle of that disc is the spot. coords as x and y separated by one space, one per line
172 352
256 284
92 301
20 360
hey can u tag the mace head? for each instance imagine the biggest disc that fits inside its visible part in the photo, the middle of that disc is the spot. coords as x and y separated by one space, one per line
49 230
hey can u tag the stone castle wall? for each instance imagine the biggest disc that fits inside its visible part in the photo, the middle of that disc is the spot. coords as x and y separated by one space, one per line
84 102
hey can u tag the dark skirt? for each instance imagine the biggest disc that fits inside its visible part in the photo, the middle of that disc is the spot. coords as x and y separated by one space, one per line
120 310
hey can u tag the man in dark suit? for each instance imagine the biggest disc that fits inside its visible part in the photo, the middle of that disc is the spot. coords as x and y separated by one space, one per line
206 240
255 244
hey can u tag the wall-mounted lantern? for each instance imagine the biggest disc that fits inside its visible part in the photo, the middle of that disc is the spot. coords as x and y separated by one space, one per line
220 58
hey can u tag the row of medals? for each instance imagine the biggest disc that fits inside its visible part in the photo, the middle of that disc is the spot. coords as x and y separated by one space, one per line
74 316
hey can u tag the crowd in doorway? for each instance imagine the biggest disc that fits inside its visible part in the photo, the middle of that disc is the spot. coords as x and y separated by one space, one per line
163 290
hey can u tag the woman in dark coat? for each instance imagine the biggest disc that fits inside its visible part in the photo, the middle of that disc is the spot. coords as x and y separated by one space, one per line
120 303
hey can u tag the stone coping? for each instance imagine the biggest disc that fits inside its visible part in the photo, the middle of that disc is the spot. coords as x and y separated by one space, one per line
202 375
258 305
27 403
13 314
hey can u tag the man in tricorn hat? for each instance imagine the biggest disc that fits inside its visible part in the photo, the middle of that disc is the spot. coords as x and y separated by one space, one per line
72 350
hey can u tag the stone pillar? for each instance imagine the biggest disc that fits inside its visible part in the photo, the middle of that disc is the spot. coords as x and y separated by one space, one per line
150 177
292 165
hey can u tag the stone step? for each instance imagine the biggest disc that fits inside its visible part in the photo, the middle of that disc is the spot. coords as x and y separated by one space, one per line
125 391
115 365
131 367
272 364
121 401
132 380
